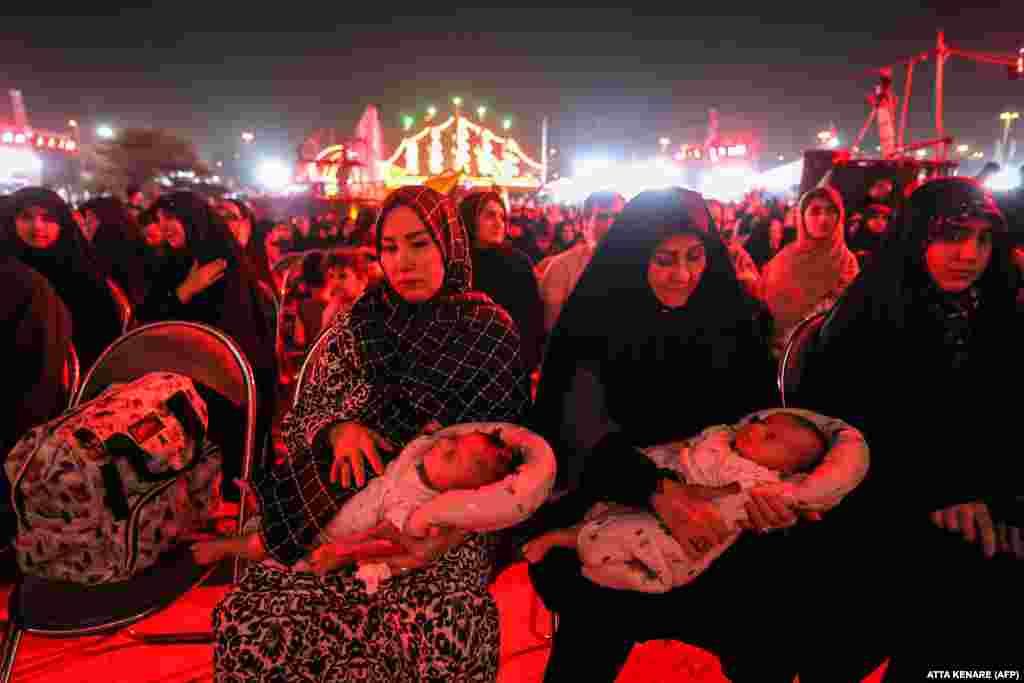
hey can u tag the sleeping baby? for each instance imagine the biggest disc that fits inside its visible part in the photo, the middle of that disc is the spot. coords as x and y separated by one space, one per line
453 462
809 460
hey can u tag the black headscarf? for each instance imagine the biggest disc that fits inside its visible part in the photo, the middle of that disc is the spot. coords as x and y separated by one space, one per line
35 332
118 246
712 352
916 368
69 267
393 366
230 304
506 275
256 253
35 339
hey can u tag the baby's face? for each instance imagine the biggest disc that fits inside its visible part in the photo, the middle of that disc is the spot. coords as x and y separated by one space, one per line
468 461
778 443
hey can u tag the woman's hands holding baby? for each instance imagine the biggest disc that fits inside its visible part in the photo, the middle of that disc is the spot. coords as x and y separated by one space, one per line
691 517
422 551
352 443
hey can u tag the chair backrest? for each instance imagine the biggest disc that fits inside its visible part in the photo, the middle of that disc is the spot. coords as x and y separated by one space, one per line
199 351
285 264
270 306
288 311
124 304
306 371
791 366
72 374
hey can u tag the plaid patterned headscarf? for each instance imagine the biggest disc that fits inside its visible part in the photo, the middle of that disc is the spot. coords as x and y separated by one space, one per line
449 234
393 367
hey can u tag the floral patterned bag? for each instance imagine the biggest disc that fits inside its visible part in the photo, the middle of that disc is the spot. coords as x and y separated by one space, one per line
102 491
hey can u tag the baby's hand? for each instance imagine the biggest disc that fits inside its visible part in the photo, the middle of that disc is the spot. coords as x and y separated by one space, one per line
416 526
322 560
535 550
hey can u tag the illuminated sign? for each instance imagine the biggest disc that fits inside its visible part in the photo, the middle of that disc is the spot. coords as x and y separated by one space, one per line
10 135
715 153
461 146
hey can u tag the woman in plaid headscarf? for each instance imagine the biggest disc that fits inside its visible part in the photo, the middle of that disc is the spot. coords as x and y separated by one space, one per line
417 351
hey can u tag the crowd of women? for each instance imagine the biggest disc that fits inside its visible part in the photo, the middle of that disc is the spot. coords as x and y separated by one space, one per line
672 322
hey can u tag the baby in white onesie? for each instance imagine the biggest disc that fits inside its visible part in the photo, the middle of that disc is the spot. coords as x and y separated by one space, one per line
467 461
628 548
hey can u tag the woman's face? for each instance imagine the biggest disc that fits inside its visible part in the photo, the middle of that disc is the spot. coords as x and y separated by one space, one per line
877 223
239 225
567 233
716 213
171 229
791 213
411 261
36 227
675 269
276 240
961 254
490 225
152 235
820 218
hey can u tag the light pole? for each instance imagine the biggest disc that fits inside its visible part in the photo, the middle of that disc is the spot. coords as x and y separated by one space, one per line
1007 117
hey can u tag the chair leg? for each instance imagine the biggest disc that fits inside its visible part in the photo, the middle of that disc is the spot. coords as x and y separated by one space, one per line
545 638
12 638
534 611
185 638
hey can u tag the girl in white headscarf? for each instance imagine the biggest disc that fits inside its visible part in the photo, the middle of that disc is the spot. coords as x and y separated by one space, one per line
810 274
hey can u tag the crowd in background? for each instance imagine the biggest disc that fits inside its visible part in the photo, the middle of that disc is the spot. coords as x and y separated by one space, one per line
276 276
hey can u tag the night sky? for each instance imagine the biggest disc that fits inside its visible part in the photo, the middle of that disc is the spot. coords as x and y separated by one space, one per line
612 81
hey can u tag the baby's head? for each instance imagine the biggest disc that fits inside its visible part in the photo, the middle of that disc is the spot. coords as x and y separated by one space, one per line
784 442
469 461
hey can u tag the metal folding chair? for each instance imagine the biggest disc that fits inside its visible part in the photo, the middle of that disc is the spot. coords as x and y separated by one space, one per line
287 358
270 305
284 265
791 365
72 374
124 304
67 610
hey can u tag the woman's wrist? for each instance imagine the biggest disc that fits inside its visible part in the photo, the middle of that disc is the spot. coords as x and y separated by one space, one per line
183 294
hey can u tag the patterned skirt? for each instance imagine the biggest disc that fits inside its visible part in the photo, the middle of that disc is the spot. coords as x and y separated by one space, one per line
438 623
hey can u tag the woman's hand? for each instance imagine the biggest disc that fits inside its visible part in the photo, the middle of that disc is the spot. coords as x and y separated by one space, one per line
200 277
693 520
972 520
769 511
1010 540
352 443
421 551
430 428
